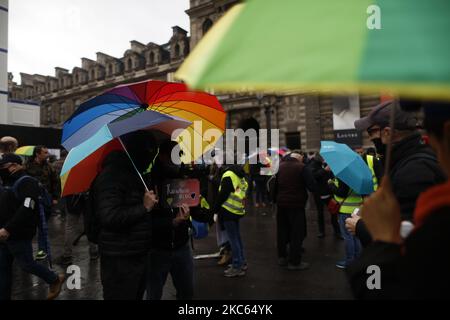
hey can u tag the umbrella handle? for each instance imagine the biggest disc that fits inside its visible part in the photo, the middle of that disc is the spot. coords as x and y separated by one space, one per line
135 168
387 163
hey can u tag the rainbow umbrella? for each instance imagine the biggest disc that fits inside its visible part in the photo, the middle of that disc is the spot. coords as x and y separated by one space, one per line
84 161
26 151
327 45
201 109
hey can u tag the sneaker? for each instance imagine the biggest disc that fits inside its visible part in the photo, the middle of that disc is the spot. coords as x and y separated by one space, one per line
341 264
232 272
64 261
244 267
226 258
301 266
282 262
41 255
55 288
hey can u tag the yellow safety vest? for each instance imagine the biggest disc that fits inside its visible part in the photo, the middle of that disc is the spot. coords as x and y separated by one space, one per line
235 201
350 203
204 204
374 177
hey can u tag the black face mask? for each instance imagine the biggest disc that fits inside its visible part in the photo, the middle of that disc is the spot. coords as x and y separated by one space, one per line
380 146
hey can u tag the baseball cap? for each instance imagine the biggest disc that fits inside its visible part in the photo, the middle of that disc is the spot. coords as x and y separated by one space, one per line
380 116
9 158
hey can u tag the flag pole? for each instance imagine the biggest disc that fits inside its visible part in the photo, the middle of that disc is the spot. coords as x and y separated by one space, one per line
135 168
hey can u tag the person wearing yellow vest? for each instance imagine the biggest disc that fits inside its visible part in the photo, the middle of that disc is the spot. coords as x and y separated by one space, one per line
230 206
350 201
353 224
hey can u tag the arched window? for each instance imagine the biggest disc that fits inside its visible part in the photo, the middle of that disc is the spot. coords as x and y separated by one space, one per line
110 70
152 58
206 25
130 64
177 50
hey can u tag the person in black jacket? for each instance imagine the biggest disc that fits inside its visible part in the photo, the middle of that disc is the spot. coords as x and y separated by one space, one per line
418 266
170 248
322 173
292 182
413 168
19 217
123 208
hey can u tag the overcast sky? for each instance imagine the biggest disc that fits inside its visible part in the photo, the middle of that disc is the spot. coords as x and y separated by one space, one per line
46 34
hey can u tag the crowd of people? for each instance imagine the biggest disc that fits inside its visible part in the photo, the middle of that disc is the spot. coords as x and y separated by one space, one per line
140 238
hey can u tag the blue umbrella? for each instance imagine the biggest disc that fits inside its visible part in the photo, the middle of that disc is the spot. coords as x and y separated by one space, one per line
348 166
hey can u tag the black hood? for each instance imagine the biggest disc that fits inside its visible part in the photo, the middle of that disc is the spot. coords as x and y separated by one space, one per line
118 159
408 146
237 169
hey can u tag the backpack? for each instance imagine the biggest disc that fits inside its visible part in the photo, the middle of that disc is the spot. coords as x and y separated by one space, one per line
44 206
45 199
201 229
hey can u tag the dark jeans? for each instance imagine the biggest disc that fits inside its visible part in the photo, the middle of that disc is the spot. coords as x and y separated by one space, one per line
352 243
123 278
237 248
22 252
180 264
291 230
320 204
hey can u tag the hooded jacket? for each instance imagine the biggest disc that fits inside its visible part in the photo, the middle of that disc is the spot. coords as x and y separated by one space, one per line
125 225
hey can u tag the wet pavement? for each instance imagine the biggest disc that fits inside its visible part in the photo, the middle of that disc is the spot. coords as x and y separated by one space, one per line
264 279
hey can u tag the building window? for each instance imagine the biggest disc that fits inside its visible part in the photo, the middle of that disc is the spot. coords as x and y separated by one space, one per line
152 58
130 64
293 140
110 70
49 114
77 79
206 26
93 74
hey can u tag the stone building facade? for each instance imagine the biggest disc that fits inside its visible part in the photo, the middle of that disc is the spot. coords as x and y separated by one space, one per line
303 120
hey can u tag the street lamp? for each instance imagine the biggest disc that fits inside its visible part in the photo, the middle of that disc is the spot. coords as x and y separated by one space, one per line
266 103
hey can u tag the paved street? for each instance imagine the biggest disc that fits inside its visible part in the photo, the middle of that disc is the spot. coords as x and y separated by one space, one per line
264 279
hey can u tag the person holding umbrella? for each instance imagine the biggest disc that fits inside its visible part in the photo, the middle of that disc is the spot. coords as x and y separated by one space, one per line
410 155
416 267
122 205
353 179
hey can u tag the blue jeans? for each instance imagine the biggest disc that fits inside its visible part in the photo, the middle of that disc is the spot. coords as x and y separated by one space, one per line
22 252
237 249
180 264
352 244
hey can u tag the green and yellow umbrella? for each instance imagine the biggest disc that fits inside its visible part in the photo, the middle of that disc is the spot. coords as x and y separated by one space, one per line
26 151
401 47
